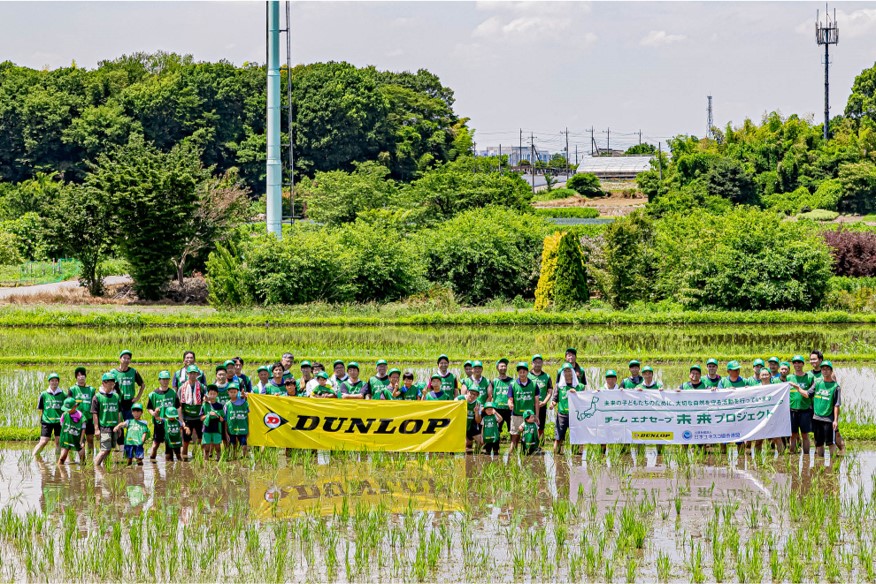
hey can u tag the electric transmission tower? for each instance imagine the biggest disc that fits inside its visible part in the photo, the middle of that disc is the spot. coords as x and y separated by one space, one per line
826 33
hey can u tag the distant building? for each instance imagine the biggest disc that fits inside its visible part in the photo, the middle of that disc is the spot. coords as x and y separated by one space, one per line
617 167
515 154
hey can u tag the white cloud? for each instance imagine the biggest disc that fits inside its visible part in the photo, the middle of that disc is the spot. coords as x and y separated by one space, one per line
534 21
659 38
858 23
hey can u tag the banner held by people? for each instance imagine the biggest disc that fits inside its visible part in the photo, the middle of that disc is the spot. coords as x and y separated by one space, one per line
680 417
289 422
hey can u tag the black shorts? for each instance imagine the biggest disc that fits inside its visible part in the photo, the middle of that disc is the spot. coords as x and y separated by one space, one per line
801 421
47 429
823 433
197 429
89 428
158 433
506 418
472 430
562 427
237 439
542 417
491 447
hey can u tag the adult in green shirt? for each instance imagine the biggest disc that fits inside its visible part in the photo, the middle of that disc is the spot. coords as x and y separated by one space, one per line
733 380
545 390
50 405
568 384
353 387
826 405
478 381
449 384
712 378
694 379
106 414
773 365
408 390
522 398
467 369
815 359
499 396
802 392
158 403
83 394
380 380
191 397
758 364
181 375
635 379
648 381
129 384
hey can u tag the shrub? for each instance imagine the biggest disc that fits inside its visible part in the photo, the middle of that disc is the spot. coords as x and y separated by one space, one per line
568 212
828 194
629 266
9 254
819 215
585 184
726 178
228 282
570 288
336 197
854 252
553 195
859 188
791 203
485 254
544 292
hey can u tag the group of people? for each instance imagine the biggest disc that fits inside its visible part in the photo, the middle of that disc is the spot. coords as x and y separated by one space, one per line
185 408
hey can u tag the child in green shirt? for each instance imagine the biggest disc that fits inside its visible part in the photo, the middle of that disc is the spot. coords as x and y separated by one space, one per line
50 404
212 416
173 435
490 421
237 420
322 389
529 431
136 435
72 430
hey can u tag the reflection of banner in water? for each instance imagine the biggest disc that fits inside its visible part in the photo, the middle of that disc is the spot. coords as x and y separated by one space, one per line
680 417
328 424
273 495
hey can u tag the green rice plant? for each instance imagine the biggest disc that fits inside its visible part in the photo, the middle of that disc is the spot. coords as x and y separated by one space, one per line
695 563
664 567
632 569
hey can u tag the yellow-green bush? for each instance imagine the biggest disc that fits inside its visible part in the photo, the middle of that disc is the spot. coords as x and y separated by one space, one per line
544 292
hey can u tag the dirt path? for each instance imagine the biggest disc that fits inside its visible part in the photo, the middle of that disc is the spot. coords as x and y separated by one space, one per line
6 293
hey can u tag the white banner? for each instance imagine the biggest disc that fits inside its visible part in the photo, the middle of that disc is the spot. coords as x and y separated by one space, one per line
680 417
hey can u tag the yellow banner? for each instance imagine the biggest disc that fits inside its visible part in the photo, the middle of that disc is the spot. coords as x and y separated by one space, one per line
328 488
329 424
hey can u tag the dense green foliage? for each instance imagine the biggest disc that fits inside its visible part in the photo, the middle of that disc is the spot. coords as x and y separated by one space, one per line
585 184
568 212
570 288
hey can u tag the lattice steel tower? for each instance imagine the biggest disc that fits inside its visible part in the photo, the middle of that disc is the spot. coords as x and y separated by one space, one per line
826 33
710 122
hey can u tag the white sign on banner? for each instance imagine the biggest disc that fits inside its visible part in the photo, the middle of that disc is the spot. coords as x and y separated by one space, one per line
680 417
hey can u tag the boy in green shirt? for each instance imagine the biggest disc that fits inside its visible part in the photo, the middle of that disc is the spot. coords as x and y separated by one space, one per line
529 430
408 390
237 420
610 381
435 392
50 404
212 416
83 394
490 422
826 405
353 387
173 435
136 435
158 403
387 392
105 412
635 379
545 391
499 392
802 392
72 425
322 389
522 397
472 429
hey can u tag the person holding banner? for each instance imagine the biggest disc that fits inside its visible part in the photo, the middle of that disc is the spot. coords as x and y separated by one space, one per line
448 380
712 378
694 379
610 381
826 404
568 384
392 383
648 381
635 379
733 380
353 387
757 364
802 392
275 385
408 389
435 391
377 383
522 398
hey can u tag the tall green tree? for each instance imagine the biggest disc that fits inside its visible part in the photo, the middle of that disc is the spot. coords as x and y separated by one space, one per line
82 222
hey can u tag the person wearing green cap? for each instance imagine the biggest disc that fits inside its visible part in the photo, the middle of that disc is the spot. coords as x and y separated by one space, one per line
733 380
648 381
472 429
545 391
191 396
610 381
264 374
126 378
408 390
802 392
712 379
158 402
222 381
182 374
449 384
478 381
322 389
173 436
236 412
529 430
83 394
490 422
826 406
276 385
307 381
499 395
635 379
106 414
213 418
568 384
757 364
522 398
571 358
467 369
242 378
392 388
136 435
380 381
50 405
353 387
784 370
435 390
340 374
694 379
72 426
773 365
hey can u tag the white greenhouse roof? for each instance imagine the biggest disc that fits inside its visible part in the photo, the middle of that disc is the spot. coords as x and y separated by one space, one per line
611 165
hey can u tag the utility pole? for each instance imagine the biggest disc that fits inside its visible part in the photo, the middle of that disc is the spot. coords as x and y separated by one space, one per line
532 158
520 148
274 161
640 137
567 151
660 159
501 170
576 155
289 109
608 144
710 122
592 141
826 34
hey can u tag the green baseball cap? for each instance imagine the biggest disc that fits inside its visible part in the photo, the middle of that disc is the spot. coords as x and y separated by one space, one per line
221 367
263 368
137 406
337 362
192 369
798 358
566 366
489 405
647 368
528 413
69 404
611 373
695 367
733 366
171 413
442 356
435 376
473 388
394 370
712 362
353 365
634 362
54 376
502 360
79 370
572 350
467 363
785 364
107 377
827 364
305 363
477 364
773 360
233 385
322 375
522 365
534 357
230 363
164 374
126 352
381 362
757 362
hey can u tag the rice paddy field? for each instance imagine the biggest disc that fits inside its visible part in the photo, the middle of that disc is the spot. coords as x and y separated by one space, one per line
629 514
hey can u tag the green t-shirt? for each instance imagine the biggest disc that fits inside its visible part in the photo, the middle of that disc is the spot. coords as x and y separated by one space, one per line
500 392
561 398
107 409
490 428
376 383
543 382
689 385
414 393
350 388
272 388
524 396
324 390
126 381
381 393
212 417
71 432
472 406
431 396
530 435
448 385
754 379
83 396
161 401
51 404
710 383
727 383
827 395
482 386
173 433
237 418
631 382
801 401
816 374
137 433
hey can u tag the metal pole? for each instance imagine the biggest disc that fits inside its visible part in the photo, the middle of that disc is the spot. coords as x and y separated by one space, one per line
274 165
289 108
567 152
532 159
826 91
660 159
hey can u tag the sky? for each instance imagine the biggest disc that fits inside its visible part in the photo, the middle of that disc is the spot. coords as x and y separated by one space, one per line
540 66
